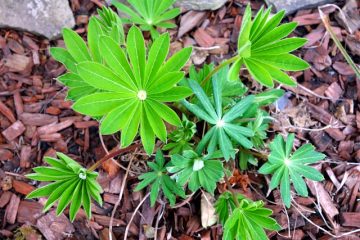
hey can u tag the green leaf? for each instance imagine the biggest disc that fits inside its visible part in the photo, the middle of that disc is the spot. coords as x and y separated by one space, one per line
245 28
285 188
156 57
76 201
156 122
283 46
94 32
99 104
196 170
172 95
136 53
76 46
159 180
259 73
245 223
285 62
268 97
165 112
116 58
176 62
63 56
101 77
67 188
118 117
276 34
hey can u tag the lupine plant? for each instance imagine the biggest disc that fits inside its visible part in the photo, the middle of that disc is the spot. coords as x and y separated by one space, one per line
133 88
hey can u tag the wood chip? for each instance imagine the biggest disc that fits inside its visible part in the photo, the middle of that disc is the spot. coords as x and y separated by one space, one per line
25 155
5 155
54 227
7 112
37 119
190 20
29 212
350 219
54 127
12 209
18 63
15 130
105 221
334 91
22 187
5 198
203 38
317 189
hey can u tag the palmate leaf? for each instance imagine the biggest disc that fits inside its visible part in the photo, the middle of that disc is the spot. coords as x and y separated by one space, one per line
149 14
197 170
287 167
223 129
265 50
158 181
134 87
71 184
77 51
246 221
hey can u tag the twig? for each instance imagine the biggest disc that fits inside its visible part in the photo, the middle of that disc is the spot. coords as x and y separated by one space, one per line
120 197
161 213
325 20
319 227
217 68
116 151
112 159
133 215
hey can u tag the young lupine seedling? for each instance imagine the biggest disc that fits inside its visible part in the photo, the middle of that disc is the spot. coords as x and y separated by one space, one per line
197 170
159 180
71 183
287 167
149 14
181 137
130 88
223 128
245 221
264 48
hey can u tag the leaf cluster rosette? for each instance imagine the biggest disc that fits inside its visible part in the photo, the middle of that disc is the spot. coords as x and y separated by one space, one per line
133 87
264 48
179 139
70 183
197 170
223 126
286 166
246 221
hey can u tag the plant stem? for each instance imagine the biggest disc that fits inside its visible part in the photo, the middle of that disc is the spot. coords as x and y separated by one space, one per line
116 151
325 20
217 68
236 201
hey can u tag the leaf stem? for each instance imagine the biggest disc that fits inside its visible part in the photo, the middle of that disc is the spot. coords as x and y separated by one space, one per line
217 68
325 20
236 201
116 151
